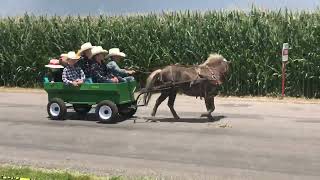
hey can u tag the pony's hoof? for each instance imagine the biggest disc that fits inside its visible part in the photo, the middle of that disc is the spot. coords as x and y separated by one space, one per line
205 115
152 119
211 118
176 118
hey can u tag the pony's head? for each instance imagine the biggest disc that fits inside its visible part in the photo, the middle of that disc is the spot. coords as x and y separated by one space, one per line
219 65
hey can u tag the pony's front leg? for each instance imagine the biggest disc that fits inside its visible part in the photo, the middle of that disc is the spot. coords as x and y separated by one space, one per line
209 101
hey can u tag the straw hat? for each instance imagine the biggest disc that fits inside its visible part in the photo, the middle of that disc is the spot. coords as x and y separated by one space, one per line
98 50
85 47
115 52
54 64
73 55
64 55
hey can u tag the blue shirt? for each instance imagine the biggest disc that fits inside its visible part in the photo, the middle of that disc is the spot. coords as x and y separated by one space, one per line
116 70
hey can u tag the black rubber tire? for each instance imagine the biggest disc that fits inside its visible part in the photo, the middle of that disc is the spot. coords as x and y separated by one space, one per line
114 111
82 108
61 109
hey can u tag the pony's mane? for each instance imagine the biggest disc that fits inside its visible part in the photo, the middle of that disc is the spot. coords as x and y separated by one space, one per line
213 58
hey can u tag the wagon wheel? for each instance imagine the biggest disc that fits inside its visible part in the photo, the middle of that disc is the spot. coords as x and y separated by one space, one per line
82 108
56 109
107 111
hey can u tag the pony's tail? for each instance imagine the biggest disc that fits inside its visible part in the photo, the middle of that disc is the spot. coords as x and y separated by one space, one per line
152 79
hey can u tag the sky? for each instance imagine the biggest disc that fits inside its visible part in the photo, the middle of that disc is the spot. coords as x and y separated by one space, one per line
122 7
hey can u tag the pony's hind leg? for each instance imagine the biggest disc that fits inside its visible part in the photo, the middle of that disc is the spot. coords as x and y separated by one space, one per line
172 98
160 99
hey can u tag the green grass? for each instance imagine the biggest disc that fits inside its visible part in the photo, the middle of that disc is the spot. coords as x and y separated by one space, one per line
43 174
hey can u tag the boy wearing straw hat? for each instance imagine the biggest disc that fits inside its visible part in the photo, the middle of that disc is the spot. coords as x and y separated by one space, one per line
55 73
100 72
123 75
63 59
85 61
72 74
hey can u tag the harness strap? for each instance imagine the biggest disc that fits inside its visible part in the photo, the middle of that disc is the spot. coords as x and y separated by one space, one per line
161 78
213 76
198 70
171 74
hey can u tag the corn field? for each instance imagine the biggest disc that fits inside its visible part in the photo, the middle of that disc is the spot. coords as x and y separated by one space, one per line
251 40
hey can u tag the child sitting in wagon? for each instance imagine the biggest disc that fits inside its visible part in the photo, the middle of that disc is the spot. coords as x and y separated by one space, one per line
100 72
85 61
72 74
63 59
115 56
55 71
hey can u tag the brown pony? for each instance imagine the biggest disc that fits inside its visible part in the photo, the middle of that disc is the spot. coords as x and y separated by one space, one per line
199 81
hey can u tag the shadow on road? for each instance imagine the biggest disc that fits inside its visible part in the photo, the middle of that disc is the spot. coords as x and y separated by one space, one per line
186 120
73 116
79 117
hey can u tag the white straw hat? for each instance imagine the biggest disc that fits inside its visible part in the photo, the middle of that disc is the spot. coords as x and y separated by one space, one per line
64 55
85 47
73 55
54 64
115 52
97 50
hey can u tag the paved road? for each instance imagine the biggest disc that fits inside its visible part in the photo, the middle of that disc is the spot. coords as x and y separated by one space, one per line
266 140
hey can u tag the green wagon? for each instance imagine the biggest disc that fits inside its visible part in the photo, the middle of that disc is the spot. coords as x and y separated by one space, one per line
111 99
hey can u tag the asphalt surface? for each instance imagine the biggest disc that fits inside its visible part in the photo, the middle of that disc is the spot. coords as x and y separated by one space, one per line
250 140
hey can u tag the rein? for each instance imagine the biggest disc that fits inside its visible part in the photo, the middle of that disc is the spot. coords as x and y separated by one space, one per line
213 76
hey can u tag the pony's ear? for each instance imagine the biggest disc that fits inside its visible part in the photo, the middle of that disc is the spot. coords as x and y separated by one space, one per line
225 60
